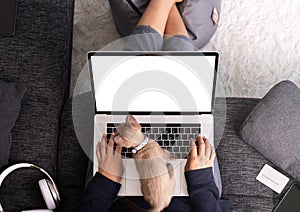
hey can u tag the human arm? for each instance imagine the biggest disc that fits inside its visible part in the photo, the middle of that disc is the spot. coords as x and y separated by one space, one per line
202 189
99 194
105 185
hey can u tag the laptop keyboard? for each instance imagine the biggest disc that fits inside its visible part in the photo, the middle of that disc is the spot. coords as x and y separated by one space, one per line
172 137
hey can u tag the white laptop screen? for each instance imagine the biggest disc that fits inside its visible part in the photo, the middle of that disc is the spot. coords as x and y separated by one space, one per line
147 83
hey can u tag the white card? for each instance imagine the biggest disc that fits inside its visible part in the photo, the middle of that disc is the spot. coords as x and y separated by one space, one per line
272 178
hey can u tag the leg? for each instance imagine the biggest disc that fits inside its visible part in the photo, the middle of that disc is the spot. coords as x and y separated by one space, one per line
147 35
176 34
156 14
89 172
217 176
144 38
175 25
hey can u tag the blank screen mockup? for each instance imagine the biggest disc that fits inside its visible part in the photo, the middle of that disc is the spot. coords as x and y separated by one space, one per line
148 83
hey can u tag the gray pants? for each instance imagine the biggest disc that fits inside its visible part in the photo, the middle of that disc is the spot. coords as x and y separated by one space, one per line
217 176
145 38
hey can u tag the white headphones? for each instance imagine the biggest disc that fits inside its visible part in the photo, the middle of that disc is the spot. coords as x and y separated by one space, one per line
48 187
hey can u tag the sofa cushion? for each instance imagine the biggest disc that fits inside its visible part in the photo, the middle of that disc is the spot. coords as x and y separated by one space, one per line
38 57
10 102
273 127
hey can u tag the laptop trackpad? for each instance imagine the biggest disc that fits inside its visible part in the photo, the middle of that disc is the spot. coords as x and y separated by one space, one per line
133 185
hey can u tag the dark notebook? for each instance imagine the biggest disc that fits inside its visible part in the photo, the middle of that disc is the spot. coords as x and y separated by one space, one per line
8 12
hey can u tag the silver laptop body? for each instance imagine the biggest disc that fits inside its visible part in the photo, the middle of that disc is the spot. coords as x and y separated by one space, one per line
170 94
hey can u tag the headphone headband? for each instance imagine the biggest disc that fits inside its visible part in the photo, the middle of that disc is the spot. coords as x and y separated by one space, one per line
12 168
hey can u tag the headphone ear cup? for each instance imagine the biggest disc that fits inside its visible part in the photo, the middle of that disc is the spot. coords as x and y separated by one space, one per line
47 194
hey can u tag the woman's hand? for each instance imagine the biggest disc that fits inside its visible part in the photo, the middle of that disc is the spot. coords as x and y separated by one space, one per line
200 157
109 161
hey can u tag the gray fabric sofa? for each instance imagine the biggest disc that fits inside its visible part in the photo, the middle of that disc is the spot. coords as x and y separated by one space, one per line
240 163
37 57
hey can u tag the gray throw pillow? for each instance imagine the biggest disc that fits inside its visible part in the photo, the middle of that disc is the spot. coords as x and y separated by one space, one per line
10 102
273 127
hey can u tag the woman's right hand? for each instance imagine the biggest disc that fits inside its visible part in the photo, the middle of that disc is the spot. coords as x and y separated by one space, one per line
109 160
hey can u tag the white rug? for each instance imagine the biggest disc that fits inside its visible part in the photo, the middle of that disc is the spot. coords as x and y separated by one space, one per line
258 42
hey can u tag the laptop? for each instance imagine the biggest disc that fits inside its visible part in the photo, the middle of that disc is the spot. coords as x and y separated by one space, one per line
171 94
8 11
